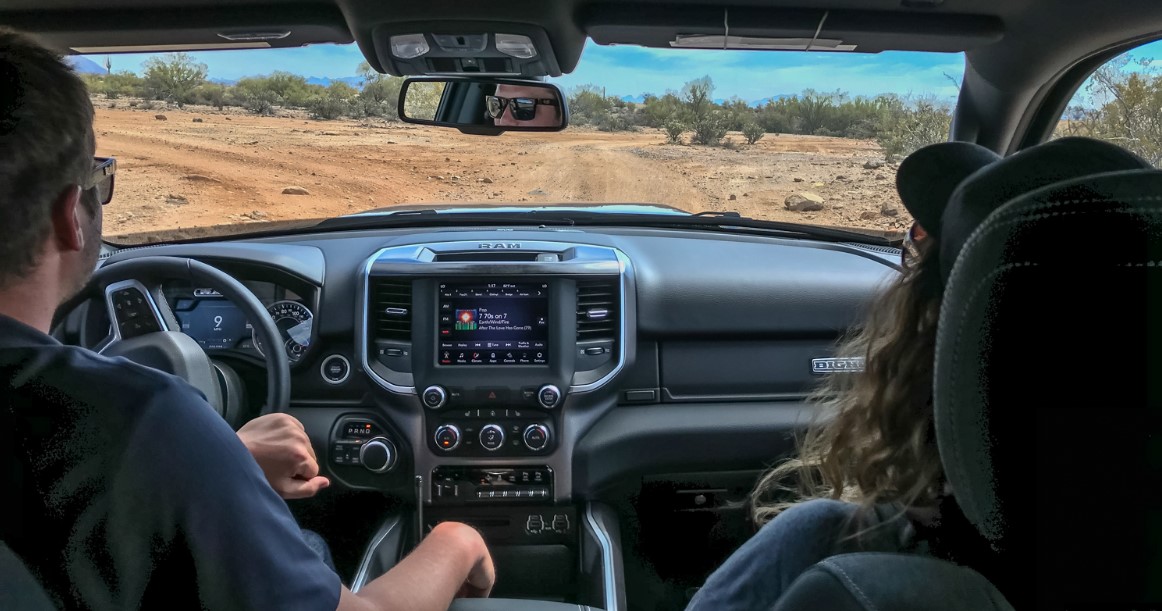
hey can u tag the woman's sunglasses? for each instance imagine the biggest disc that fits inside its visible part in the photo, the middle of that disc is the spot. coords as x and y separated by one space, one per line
911 252
523 109
101 179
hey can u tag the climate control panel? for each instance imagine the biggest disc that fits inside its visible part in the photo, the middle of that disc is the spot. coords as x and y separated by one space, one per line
486 433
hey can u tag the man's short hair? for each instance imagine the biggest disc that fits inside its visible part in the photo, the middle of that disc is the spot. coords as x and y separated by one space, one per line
46 144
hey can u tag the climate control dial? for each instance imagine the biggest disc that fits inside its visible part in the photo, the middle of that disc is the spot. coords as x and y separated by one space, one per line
491 437
447 437
536 437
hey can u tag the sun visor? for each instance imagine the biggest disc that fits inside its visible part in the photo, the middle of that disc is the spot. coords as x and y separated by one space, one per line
118 31
703 27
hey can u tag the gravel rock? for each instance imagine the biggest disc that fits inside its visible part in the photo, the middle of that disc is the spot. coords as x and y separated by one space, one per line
295 191
804 201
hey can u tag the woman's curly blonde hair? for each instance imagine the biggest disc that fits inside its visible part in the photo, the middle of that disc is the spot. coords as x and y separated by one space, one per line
873 441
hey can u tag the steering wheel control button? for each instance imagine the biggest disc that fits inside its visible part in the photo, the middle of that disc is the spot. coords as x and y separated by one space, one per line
335 369
549 396
447 437
536 437
377 455
435 397
491 437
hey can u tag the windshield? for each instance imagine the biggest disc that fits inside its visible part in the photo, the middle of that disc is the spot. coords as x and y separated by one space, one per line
228 142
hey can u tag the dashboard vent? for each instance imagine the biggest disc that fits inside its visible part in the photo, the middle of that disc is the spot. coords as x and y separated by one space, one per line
597 314
391 306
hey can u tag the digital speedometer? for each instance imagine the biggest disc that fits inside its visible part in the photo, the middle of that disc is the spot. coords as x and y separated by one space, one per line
294 322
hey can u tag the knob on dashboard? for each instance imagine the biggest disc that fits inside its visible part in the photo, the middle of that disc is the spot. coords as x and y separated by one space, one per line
377 455
549 396
491 437
536 437
434 397
447 437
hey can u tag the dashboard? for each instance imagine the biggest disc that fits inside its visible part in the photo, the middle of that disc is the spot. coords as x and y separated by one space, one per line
462 366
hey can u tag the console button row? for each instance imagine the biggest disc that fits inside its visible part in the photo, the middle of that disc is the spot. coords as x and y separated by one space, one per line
513 493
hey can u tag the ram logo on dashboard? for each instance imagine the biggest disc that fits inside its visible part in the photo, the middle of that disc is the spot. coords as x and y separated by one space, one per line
499 245
837 365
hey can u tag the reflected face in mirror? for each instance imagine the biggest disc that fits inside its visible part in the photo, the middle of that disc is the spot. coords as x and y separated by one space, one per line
520 106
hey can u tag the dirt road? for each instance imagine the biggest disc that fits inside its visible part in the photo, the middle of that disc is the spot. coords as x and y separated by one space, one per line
200 167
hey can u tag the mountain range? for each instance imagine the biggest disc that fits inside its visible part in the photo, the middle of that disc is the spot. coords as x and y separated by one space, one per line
84 65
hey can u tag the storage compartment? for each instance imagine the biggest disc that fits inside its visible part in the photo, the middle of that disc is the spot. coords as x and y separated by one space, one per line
740 370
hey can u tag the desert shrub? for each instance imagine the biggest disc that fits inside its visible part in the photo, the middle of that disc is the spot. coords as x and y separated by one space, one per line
753 132
613 121
906 130
173 77
327 108
147 105
674 130
729 144
708 130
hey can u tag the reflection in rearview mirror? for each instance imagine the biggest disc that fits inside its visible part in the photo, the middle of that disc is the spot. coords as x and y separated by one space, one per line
483 105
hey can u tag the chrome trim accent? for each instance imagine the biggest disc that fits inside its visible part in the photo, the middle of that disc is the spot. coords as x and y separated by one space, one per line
450 427
852 364
597 314
116 328
395 311
365 564
363 290
423 257
388 447
623 264
323 367
436 389
480 437
609 584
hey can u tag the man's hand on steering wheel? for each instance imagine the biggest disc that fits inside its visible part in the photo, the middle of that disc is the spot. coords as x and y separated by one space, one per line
280 445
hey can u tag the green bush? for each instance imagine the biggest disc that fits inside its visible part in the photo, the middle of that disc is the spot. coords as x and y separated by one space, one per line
708 130
753 132
906 130
674 130
327 108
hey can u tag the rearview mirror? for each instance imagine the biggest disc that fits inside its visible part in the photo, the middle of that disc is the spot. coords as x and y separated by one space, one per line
479 105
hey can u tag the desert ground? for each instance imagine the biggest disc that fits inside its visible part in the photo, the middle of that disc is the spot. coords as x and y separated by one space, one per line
198 167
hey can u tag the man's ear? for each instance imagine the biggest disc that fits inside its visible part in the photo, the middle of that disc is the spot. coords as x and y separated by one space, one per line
67 220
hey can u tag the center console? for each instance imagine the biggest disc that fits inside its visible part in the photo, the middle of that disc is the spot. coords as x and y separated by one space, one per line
493 358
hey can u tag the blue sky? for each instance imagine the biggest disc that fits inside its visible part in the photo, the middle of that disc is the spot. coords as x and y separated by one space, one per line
631 71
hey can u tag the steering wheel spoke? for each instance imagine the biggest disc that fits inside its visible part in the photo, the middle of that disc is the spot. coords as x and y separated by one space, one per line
134 311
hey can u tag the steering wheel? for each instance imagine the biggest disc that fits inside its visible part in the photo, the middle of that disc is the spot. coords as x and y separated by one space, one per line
145 331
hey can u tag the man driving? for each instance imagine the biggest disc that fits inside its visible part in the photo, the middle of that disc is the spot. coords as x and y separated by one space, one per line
523 106
126 488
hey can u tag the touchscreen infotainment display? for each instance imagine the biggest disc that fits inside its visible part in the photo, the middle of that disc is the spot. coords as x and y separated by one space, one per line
493 323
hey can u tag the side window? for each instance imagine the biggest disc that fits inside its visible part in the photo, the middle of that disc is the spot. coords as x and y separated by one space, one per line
1121 103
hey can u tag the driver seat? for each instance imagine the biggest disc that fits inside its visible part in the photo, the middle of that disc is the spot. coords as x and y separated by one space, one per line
1046 395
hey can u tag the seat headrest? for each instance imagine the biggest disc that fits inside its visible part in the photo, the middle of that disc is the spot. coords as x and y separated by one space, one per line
1048 371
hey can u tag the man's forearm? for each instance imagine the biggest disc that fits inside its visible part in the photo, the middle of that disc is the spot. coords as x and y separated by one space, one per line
428 578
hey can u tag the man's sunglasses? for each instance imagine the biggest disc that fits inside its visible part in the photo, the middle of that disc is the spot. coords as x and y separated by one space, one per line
523 109
101 179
